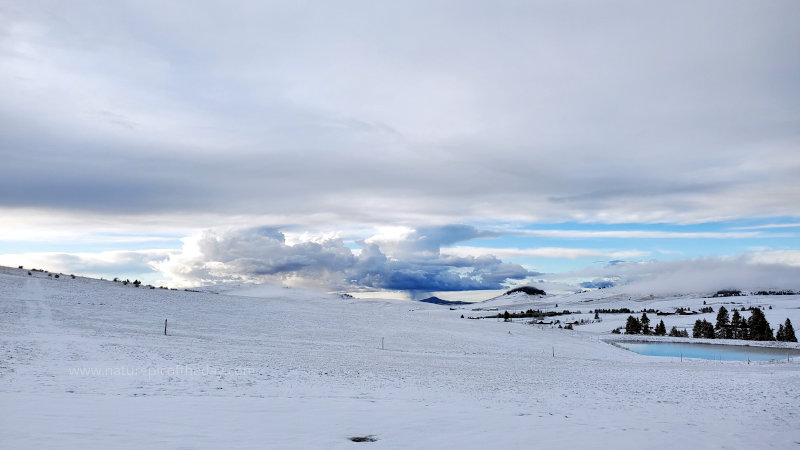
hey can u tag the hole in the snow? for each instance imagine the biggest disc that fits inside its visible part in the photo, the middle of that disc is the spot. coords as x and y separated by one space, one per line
369 438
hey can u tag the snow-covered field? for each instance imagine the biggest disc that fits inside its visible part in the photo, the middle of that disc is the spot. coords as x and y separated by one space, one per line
85 364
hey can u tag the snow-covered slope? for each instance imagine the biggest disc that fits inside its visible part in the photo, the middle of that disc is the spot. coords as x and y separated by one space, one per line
85 363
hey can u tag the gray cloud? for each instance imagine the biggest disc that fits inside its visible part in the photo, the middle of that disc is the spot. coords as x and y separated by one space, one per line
425 112
262 255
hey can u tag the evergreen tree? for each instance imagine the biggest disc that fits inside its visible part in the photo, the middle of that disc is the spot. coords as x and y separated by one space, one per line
661 329
506 316
703 329
633 326
645 324
722 326
779 334
673 332
710 331
735 328
743 328
697 331
788 331
759 327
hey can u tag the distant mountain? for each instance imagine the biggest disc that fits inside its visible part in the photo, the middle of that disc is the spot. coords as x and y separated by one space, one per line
439 301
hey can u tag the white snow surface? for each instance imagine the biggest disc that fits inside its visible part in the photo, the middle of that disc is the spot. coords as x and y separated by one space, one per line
85 364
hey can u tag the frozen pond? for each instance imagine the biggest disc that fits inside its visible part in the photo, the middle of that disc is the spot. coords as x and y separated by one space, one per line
709 351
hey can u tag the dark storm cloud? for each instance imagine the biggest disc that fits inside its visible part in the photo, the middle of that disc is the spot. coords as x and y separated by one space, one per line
412 112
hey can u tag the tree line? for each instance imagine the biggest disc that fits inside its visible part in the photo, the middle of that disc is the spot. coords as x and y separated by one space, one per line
754 328
642 326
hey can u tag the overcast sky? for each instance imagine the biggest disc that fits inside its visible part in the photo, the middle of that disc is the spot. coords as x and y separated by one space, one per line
401 145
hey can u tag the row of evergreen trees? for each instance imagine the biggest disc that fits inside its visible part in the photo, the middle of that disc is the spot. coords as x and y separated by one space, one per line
642 326
755 328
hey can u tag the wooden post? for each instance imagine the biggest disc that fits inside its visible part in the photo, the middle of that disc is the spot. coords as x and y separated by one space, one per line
381 343
554 352
165 327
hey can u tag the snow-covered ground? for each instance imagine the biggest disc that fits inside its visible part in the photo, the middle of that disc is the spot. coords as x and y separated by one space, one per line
85 364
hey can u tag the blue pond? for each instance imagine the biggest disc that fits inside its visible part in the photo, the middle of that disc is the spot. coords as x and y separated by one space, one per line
709 351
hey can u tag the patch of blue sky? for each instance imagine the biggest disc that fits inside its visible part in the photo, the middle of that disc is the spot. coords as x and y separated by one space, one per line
663 241
96 244
556 265
720 226
783 222
352 245
686 246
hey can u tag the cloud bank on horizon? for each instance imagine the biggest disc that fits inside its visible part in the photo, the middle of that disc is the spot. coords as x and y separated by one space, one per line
429 259
418 261
754 272
412 262
262 121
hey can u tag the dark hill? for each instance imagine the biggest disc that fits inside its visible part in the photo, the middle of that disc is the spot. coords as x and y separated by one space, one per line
530 290
439 301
